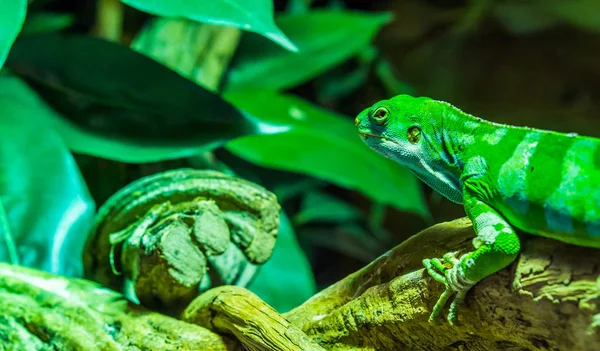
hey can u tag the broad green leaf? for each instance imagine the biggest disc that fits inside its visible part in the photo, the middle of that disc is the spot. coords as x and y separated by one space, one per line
285 280
198 51
45 208
286 190
12 16
285 185
118 104
251 15
324 145
40 22
322 207
344 79
325 38
339 83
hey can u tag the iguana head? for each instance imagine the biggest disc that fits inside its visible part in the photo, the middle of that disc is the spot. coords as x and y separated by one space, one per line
409 131
399 128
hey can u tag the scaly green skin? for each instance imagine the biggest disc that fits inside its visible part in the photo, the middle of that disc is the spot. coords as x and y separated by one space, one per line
542 182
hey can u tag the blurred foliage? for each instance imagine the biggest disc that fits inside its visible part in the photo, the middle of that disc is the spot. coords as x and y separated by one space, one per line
324 38
286 280
118 112
324 145
266 90
12 16
44 205
251 15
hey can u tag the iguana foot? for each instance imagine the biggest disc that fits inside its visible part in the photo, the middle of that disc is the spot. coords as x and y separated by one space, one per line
455 282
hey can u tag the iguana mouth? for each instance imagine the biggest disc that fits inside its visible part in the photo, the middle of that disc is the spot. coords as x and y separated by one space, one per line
369 135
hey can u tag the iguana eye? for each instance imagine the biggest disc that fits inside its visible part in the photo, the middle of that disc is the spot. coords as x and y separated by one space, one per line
381 115
414 134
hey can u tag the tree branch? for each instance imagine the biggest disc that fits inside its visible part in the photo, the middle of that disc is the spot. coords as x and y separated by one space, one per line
544 301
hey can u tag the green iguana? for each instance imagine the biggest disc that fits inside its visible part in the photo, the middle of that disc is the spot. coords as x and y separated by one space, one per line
542 182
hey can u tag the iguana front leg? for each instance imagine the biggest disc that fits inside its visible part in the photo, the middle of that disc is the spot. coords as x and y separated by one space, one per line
496 244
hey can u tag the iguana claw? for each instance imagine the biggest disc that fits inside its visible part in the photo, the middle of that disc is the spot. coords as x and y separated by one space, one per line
454 281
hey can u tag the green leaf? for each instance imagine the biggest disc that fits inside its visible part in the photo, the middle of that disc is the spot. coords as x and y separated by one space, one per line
285 280
339 83
321 207
12 16
118 104
285 185
198 51
41 22
251 15
45 208
8 248
288 189
325 38
324 145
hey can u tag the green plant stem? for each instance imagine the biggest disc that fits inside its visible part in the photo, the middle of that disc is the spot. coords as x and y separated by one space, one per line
109 19
7 236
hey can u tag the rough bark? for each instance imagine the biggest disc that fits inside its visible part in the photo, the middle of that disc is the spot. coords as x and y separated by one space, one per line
40 311
544 301
165 238
235 310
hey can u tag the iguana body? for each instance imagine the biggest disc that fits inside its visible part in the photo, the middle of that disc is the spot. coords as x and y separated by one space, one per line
542 182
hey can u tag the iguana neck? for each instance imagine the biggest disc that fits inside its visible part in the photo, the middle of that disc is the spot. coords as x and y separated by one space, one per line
448 149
